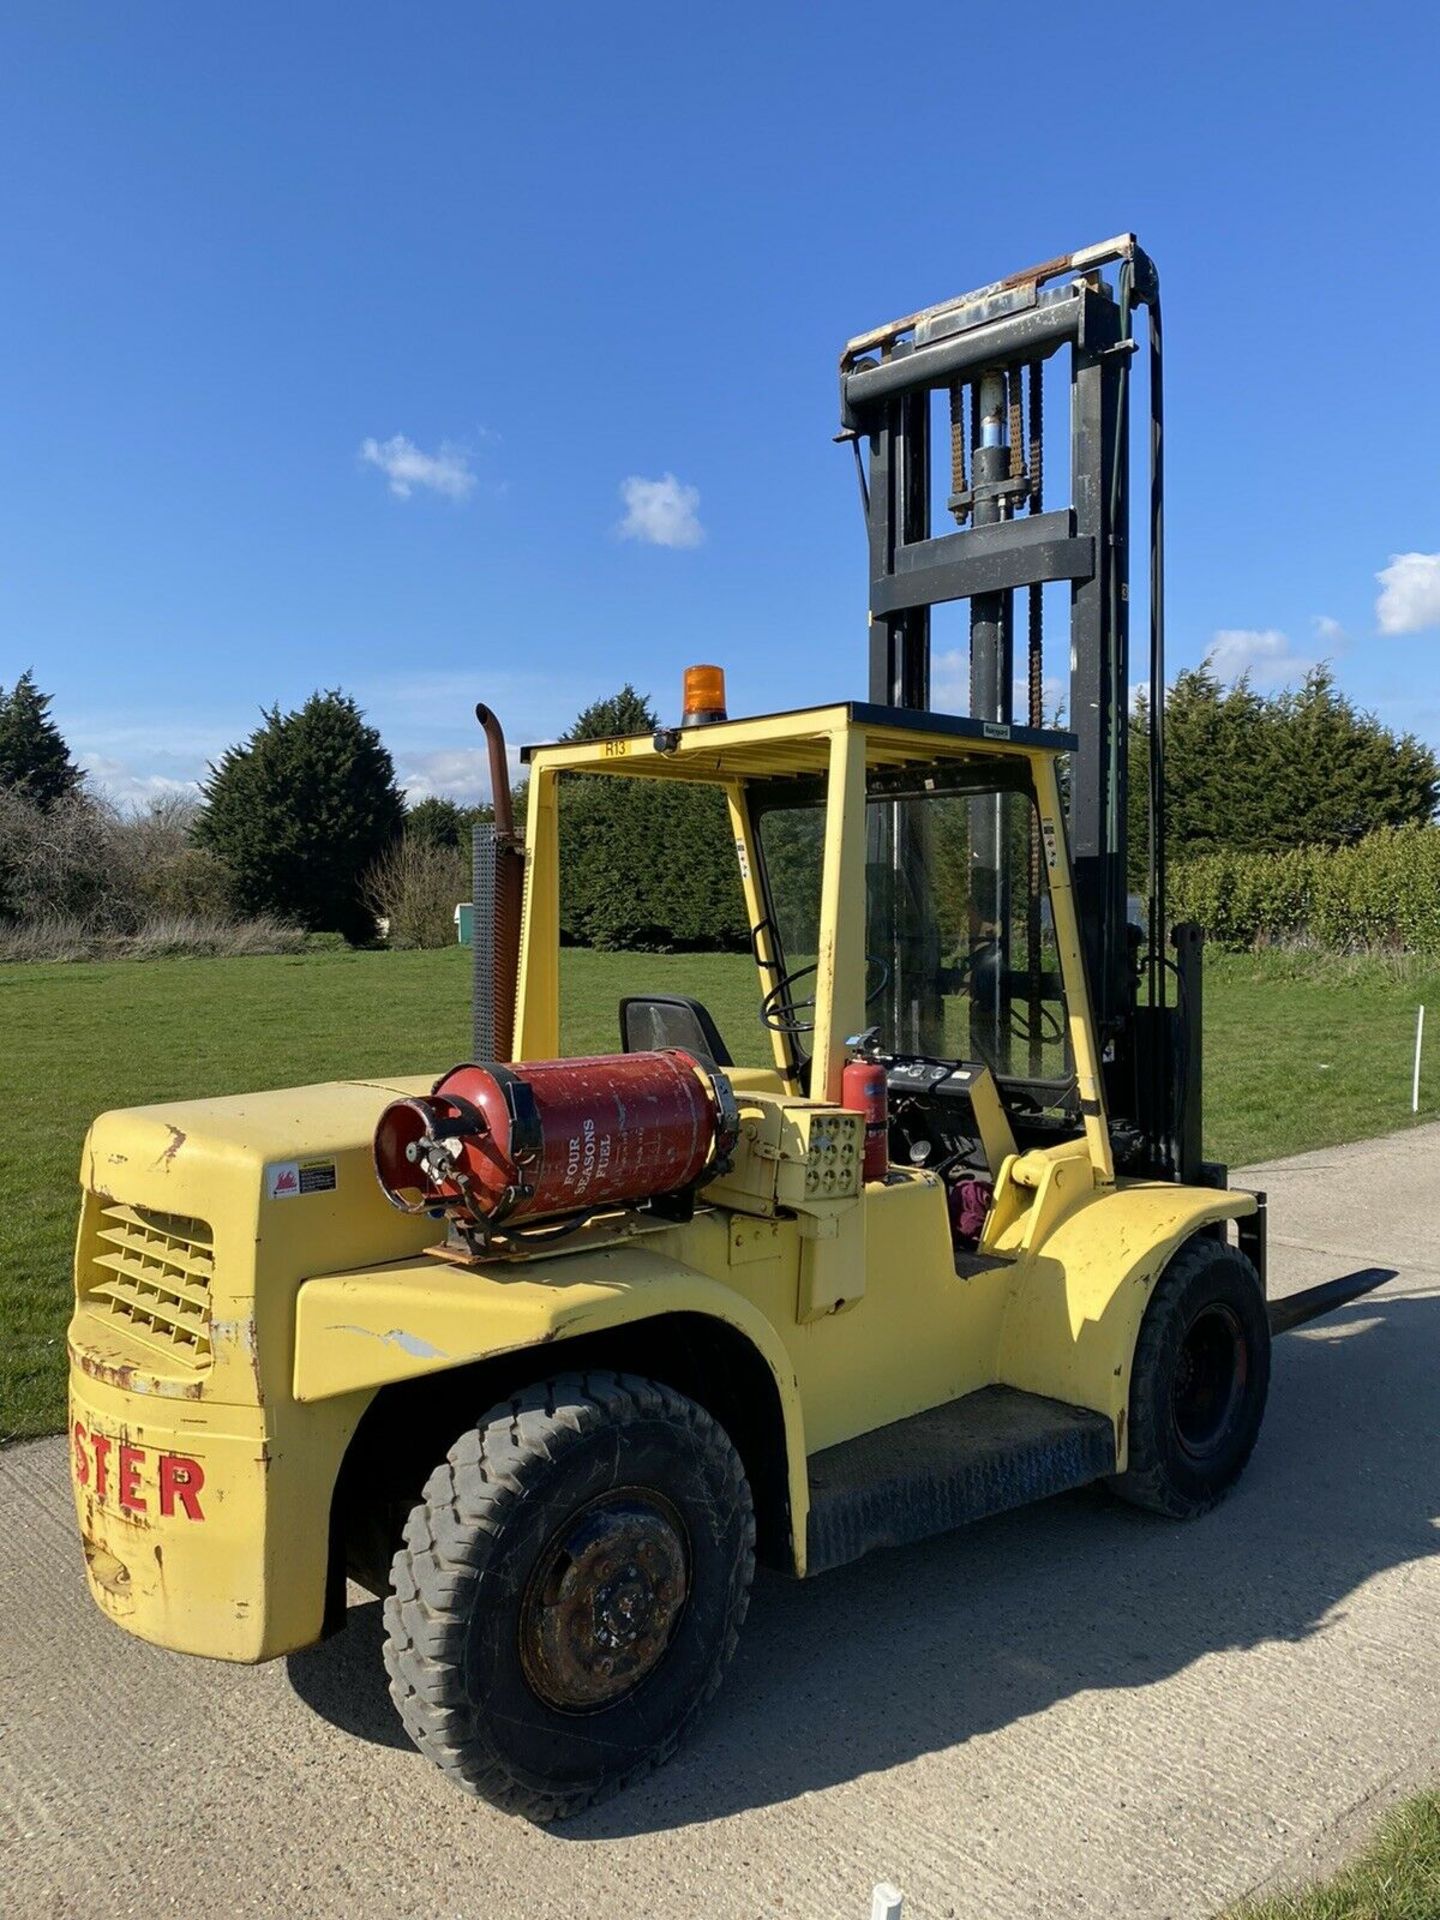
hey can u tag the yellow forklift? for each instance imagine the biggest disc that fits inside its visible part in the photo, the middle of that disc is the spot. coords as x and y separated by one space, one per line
549 1350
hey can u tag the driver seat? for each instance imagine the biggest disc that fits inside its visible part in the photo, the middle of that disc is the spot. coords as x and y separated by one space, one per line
651 1021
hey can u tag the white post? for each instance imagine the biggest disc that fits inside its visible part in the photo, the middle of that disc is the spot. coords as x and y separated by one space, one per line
1415 1084
885 1902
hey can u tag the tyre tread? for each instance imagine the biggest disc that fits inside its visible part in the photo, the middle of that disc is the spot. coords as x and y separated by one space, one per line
1146 1481
440 1564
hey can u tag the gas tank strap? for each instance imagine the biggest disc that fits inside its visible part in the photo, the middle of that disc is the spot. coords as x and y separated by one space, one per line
468 1118
527 1136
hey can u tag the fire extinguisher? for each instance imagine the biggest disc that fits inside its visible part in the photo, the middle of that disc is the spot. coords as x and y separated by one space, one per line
863 1090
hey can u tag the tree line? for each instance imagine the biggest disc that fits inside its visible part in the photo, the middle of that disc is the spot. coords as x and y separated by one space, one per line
304 823
1248 772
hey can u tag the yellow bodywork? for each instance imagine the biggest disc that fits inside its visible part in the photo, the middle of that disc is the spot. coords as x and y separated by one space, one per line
243 1290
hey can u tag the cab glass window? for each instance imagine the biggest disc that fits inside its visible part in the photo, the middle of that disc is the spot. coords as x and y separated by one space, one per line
960 940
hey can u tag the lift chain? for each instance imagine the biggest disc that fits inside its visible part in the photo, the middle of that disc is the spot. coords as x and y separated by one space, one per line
1037 604
1017 430
957 445
1036 462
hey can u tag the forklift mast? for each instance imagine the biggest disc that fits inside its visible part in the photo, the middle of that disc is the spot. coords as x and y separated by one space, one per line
985 354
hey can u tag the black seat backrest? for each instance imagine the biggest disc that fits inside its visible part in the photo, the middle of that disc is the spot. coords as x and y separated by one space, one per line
649 1021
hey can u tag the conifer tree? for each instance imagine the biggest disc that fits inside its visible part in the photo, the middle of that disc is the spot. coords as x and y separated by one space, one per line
301 810
1258 773
437 821
34 759
644 864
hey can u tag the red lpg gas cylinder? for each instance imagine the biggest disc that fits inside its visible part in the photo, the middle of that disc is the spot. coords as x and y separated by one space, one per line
547 1138
863 1090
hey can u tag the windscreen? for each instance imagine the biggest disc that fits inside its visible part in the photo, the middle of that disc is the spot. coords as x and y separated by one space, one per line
959 937
651 903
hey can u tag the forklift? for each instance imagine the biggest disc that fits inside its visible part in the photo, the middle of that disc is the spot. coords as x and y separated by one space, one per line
549 1351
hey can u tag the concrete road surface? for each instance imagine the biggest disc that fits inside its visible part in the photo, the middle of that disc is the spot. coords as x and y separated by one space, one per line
1071 1710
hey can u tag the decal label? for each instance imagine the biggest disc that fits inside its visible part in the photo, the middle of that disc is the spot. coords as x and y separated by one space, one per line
290 1178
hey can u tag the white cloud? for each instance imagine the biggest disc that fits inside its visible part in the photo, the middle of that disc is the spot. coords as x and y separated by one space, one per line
451 773
456 773
133 758
132 791
1265 654
425 718
661 513
1328 631
406 467
1409 599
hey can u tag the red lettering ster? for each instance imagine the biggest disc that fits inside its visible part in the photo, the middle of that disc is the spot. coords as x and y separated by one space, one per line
101 1443
131 1498
82 1458
181 1479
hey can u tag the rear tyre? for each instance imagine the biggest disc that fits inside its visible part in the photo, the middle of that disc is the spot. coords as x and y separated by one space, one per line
569 1591
1199 1382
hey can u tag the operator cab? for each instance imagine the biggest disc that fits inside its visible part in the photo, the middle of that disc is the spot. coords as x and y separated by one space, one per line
965 1003
901 876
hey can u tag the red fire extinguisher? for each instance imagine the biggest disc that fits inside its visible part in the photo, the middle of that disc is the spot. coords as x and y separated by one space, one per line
863 1090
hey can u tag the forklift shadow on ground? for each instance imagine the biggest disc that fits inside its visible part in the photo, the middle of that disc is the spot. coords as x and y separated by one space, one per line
913 1651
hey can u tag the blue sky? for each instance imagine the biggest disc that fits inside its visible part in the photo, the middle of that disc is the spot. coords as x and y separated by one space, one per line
333 335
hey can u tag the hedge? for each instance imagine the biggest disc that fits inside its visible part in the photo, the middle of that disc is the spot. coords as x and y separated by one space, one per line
648 865
1382 892
651 864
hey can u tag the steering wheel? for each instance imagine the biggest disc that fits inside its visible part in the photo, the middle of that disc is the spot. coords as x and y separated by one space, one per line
780 1013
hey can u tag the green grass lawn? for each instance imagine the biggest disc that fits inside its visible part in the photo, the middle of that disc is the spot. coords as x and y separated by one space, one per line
1304 1051
1298 1054
1397 1877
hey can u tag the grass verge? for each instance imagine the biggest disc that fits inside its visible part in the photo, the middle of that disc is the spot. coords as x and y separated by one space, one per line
1397 1877
163 936
1305 1050
1300 1052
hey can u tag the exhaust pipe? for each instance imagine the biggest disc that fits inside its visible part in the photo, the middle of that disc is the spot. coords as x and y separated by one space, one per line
498 889
499 771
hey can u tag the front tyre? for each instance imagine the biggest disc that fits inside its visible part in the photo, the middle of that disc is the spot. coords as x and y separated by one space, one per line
1199 1381
569 1591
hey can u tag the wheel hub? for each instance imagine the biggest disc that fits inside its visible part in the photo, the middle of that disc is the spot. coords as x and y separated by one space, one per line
1209 1380
604 1600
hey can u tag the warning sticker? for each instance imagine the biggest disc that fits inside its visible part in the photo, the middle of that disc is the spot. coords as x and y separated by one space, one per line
743 858
293 1177
1047 831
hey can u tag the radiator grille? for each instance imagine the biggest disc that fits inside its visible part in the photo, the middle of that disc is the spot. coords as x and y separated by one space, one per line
152 1272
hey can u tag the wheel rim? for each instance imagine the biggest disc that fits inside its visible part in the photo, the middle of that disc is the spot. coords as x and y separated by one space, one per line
604 1600
1209 1380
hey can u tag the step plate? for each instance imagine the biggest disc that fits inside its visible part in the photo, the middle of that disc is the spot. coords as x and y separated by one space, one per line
994 1449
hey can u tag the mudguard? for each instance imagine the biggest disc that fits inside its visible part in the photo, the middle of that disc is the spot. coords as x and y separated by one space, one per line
1070 1328
359 1331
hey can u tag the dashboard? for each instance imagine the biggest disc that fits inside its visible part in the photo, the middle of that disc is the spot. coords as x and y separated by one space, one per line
933 1119
932 1114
